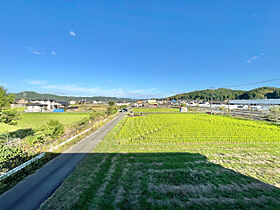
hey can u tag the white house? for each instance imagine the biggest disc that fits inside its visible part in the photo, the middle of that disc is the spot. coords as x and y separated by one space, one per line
123 103
36 107
44 105
51 104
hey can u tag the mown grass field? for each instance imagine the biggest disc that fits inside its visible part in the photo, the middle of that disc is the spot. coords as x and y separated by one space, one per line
164 161
36 120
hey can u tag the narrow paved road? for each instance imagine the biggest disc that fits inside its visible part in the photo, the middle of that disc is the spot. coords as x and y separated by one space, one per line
36 188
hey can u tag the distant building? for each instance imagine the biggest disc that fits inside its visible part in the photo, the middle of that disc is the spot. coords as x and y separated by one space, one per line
123 104
72 102
62 104
36 107
259 104
45 105
20 101
183 109
263 102
140 103
51 104
152 102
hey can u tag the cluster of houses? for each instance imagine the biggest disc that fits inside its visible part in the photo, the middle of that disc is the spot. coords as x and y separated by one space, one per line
260 105
151 102
49 105
42 105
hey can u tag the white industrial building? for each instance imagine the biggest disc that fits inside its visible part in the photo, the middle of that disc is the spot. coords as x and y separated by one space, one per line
259 104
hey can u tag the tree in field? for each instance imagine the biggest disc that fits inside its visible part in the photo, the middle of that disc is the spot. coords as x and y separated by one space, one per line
123 106
111 103
222 109
197 108
7 115
183 105
111 110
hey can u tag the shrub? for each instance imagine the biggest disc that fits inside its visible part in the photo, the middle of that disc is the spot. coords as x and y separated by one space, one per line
94 115
111 103
9 155
84 121
111 110
38 137
53 129
9 116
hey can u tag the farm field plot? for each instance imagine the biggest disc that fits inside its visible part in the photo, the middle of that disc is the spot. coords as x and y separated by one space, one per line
36 120
156 109
162 161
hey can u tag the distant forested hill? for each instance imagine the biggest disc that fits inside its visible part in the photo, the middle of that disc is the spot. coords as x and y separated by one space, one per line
33 95
223 94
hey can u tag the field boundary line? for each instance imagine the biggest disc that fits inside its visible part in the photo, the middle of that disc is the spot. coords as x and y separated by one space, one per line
27 163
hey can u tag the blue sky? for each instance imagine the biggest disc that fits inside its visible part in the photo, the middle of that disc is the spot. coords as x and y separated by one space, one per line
137 49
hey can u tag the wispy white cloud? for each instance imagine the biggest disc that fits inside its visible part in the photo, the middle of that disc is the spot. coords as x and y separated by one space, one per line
37 82
34 51
72 33
53 52
72 89
254 58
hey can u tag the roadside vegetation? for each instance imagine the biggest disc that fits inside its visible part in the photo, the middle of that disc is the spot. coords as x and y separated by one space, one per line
36 133
23 144
164 161
7 115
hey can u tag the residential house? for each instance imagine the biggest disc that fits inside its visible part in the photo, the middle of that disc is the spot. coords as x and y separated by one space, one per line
45 105
36 107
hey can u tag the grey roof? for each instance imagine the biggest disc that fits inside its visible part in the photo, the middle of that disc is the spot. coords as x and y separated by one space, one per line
42 99
36 104
257 102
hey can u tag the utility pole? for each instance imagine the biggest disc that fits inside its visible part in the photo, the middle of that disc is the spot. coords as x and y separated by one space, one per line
24 98
228 105
212 88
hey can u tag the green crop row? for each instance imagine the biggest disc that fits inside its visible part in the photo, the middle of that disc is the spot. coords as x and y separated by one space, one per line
194 128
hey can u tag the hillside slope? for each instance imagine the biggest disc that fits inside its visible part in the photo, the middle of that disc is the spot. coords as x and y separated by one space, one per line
223 94
33 95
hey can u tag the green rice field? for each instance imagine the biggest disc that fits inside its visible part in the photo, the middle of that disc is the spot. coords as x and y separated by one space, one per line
178 161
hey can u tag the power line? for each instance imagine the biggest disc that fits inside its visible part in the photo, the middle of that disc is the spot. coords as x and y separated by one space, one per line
239 85
253 83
